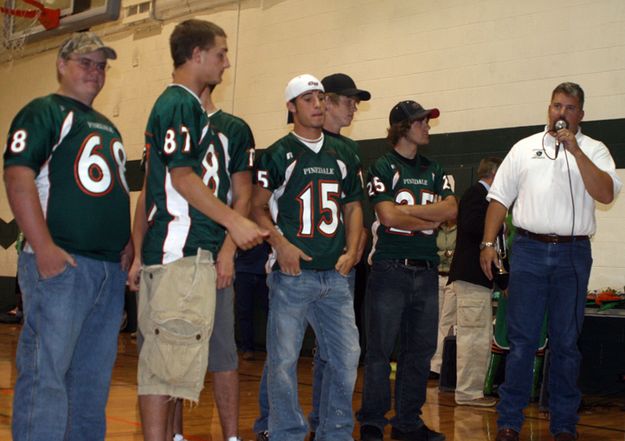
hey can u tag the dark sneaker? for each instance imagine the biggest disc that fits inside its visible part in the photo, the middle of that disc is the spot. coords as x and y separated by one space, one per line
565 436
434 375
248 355
262 436
423 433
371 433
507 435
10 318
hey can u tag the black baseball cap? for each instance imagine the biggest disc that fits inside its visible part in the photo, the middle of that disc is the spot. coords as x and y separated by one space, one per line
342 84
410 110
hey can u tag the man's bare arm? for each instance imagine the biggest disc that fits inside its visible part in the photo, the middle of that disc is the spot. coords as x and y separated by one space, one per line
245 233
352 213
390 215
597 182
241 200
288 255
495 216
438 212
139 228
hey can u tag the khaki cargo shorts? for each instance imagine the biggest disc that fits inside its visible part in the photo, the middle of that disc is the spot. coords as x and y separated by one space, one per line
176 313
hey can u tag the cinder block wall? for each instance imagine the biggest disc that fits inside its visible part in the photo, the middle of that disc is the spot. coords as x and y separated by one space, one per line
484 63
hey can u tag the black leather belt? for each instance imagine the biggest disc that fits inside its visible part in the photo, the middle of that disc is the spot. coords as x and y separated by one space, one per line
549 238
415 263
443 273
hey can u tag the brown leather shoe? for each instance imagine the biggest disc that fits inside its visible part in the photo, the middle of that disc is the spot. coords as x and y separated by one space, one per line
507 435
565 436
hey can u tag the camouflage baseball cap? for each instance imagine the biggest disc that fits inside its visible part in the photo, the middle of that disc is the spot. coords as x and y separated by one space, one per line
83 43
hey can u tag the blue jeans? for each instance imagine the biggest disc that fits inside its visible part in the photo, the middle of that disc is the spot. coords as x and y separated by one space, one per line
262 422
247 287
319 365
400 301
552 278
324 299
66 350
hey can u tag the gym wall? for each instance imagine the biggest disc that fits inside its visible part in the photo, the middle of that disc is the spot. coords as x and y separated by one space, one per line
488 65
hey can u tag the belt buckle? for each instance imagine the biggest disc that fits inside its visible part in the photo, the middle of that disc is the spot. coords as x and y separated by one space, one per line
553 238
416 263
411 263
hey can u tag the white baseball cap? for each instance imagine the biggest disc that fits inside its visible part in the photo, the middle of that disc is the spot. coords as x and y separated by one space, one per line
301 84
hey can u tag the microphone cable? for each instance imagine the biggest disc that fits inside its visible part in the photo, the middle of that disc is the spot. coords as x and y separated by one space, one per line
545 150
568 167
578 325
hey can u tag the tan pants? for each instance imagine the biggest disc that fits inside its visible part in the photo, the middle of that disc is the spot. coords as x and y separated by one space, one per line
473 338
176 313
446 319
468 306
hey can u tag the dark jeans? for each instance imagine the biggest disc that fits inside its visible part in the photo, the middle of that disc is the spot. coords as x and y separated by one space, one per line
402 302
250 289
552 278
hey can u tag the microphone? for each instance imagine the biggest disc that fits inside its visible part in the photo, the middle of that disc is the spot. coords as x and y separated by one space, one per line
559 125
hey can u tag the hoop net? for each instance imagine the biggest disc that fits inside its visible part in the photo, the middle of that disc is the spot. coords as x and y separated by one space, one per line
47 17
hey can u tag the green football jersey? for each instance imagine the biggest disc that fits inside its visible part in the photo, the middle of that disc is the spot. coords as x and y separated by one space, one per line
353 145
308 192
80 164
403 181
178 135
238 146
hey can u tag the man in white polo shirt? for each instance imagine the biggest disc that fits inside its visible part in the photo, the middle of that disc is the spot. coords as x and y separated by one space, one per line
553 178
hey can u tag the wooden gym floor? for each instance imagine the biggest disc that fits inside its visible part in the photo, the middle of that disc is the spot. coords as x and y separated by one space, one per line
605 422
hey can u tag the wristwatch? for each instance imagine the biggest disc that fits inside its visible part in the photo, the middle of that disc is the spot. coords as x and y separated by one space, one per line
487 245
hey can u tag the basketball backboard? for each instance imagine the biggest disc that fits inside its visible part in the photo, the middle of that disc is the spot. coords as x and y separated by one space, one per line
76 15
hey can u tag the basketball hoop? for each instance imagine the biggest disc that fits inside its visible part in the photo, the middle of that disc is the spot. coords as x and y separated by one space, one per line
47 17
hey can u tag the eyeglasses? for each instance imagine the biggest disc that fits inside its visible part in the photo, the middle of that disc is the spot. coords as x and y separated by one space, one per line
87 64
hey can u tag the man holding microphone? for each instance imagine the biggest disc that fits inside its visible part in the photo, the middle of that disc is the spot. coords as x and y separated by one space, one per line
553 178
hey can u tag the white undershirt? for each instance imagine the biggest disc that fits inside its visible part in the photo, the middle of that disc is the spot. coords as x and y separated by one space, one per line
313 144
